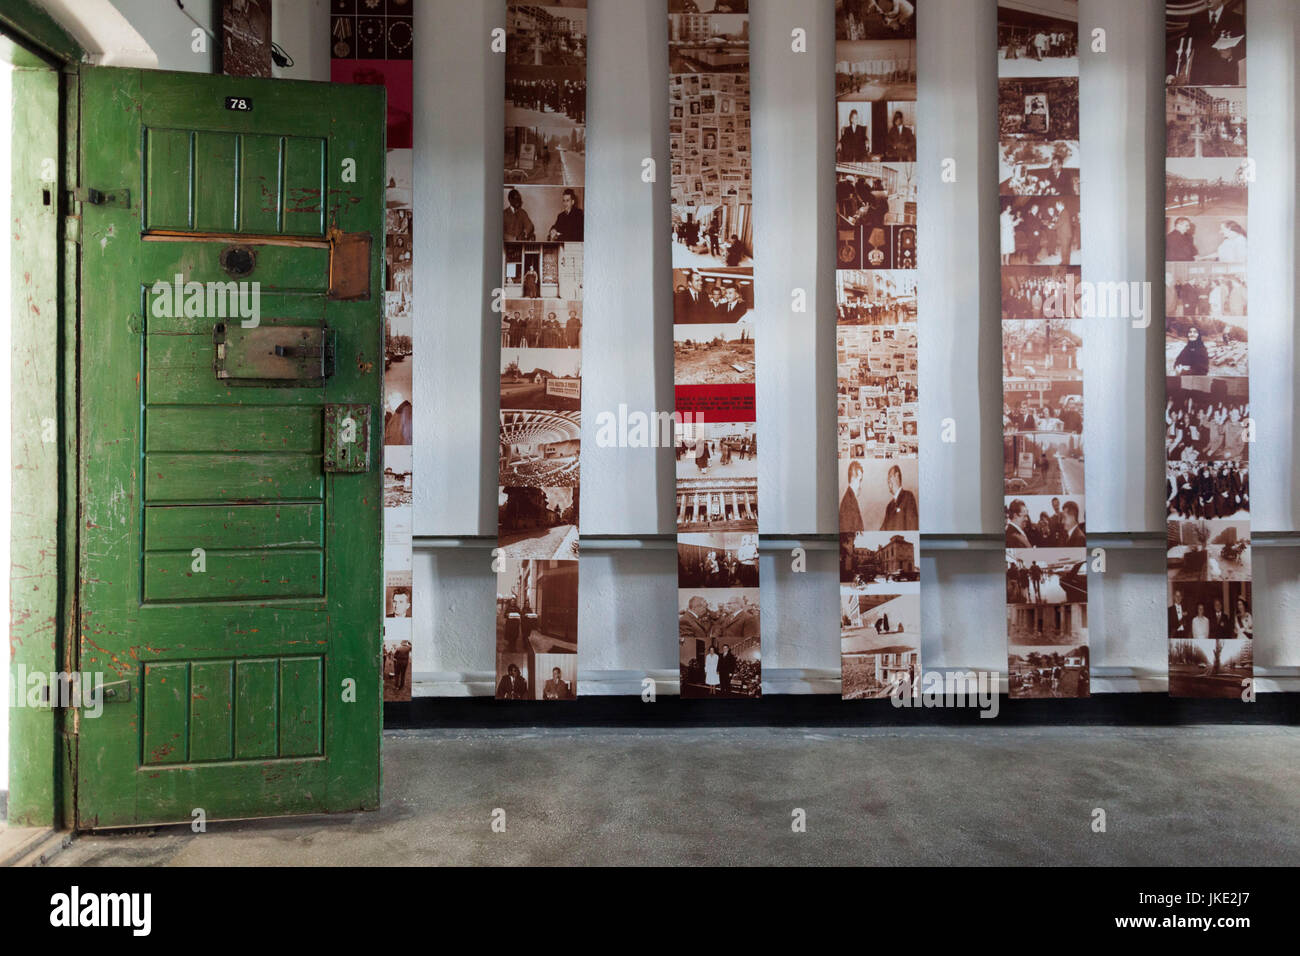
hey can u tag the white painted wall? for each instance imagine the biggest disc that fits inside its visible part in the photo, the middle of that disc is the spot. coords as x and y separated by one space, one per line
628 596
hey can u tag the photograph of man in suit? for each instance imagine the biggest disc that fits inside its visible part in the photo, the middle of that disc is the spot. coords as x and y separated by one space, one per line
726 667
557 688
1218 45
1179 617
512 686
691 304
854 147
850 513
900 512
696 623
1070 524
1220 622
568 225
1017 518
1180 246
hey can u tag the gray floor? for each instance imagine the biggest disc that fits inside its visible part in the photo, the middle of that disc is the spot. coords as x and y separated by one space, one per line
1188 795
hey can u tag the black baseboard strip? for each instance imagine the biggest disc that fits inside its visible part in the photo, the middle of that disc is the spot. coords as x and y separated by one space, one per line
822 710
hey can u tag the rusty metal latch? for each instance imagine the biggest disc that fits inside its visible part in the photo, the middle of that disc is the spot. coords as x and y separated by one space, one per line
97 197
346 439
288 356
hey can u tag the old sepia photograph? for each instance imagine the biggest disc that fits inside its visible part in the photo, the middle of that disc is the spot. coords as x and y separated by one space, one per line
875 19
1040 292
878 71
541 324
880 643
1059 670
546 97
1041 350
538 522
1205 121
542 270
553 34
539 448
1045 521
543 214
719 642
712 296
876 387
875 296
881 562
545 156
1039 231
1208 490
398 387
723 559
537 607
1041 111
717 476
1047 625
1038 169
1210 668
878 495
541 378
1208 549
1047 575
1206 418
1210 610
1032 44
1042 463
708 42
714 234
1202 345
1205 43
719 354
1213 289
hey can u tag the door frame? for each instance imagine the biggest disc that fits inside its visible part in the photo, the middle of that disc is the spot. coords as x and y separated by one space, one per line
43 392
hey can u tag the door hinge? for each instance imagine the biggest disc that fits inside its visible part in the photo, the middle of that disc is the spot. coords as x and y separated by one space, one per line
72 229
99 197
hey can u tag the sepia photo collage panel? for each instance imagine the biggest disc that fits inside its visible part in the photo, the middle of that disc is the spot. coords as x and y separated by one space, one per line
377 49
1208 424
543 198
716 435
1042 347
876 347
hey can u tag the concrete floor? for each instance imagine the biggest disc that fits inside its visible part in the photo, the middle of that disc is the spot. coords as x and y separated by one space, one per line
1188 795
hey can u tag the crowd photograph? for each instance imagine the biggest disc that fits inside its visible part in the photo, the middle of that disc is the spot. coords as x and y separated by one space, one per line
1205 288
1208 490
1045 521
1206 419
1034 45
726 559
875 296
1045 406
553 97
878 495
719 642
1040 292
1038 169
716 449
1208 549
539 448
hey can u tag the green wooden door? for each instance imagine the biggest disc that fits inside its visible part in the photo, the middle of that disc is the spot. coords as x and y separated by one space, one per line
230 549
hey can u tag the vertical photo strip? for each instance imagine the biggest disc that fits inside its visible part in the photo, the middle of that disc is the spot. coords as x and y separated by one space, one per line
876 347
543 198
1042 374
1208 426
376 49
716 433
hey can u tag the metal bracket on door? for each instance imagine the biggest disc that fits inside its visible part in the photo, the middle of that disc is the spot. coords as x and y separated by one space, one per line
97 197
289 356
346 439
